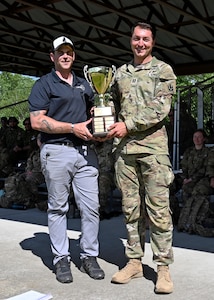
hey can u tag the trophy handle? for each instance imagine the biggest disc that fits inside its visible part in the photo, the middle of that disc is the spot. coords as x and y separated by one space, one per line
113 73
87 76
85 71
113 69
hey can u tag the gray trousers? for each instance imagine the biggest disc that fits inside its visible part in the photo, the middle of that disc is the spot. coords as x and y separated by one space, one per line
62 166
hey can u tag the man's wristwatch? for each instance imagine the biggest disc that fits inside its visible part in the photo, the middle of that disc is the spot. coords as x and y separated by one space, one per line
72 128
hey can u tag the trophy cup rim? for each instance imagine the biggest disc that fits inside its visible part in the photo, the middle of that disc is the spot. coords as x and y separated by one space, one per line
98 68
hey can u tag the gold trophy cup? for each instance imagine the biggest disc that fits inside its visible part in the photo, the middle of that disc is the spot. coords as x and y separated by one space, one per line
100 79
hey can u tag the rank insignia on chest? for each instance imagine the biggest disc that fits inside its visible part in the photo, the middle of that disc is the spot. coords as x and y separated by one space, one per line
170 87
134 81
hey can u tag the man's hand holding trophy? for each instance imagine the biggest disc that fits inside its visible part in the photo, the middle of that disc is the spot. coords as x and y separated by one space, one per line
100 79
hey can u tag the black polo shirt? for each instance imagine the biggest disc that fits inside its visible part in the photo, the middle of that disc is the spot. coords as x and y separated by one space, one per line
63 102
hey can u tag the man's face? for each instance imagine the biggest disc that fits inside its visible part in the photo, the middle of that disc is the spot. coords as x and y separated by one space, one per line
142 43
13 124
27 125
63 58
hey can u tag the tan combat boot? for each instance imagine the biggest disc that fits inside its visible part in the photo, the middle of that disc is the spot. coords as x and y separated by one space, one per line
133 269
164 284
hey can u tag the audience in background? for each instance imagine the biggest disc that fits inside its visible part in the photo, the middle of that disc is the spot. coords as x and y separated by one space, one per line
196 187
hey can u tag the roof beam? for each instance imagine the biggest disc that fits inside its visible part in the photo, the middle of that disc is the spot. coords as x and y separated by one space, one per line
108 29
185 13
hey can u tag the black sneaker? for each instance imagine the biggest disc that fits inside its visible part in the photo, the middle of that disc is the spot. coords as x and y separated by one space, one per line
63 271
91 267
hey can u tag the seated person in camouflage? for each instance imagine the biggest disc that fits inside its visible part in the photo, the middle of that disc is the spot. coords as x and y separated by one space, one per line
5 166
205 227
23 144
13 138
196 188
22 188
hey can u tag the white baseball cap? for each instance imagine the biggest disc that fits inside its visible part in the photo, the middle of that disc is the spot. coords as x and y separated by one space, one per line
60 41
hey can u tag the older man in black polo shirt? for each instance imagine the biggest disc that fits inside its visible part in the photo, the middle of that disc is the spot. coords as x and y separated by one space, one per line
60 104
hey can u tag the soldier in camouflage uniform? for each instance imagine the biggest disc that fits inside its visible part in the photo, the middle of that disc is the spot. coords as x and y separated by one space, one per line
142 93
5 166
196 188
29 136
205 227
13 137
22 188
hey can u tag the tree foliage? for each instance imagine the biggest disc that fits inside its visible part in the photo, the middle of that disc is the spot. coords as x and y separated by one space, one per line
14 87
14 90
189 86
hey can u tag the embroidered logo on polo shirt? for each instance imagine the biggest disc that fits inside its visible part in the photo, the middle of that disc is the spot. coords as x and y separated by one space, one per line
81 86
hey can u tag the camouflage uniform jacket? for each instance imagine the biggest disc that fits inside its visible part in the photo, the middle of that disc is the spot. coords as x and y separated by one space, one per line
13 137
142 98
33 162
194 163
29 136
210 163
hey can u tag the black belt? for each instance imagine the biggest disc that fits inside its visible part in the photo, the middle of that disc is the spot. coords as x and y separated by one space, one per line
69 144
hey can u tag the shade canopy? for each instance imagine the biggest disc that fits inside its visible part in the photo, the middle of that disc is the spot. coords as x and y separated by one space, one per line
100 31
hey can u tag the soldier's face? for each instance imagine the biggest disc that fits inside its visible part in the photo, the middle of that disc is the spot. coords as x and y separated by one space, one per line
13 124
142 43
198 138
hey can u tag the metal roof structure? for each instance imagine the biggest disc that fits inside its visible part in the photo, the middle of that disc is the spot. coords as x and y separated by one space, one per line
100 31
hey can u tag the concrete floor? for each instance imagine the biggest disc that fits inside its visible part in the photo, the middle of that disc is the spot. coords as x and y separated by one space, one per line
26 262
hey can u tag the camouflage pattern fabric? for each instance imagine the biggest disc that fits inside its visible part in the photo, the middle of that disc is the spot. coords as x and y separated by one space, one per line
23 188
206 227
210 163
191 212
143 106
196 192
194 165
33 175
13 137
106 171
204 231
15 192
142 98
5 166
146 173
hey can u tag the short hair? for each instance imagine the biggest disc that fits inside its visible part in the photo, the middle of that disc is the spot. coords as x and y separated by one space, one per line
26 120
201 130
144 25
13 119
4 119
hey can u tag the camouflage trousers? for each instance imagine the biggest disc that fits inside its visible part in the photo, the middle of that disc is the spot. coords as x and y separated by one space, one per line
195 188
204 231
196 204
22 189
144 182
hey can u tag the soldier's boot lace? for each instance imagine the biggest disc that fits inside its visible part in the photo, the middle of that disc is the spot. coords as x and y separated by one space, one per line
164 284
133 269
